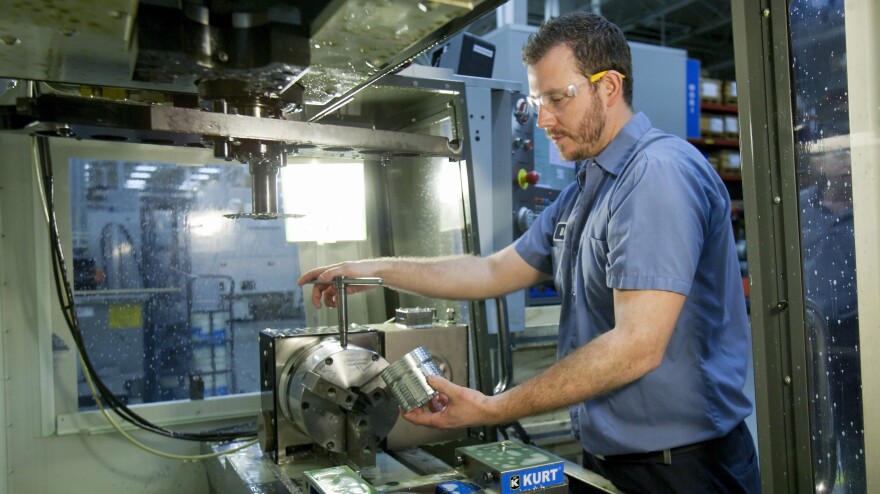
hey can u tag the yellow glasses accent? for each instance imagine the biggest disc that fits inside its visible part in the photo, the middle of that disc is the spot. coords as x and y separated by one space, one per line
555 99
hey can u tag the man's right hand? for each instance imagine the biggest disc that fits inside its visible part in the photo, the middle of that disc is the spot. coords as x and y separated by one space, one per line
322 277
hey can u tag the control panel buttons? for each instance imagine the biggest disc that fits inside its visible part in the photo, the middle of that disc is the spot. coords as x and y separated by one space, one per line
524 218
521 111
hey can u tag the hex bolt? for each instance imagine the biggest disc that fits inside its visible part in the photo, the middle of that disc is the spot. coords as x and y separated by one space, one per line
766 12
787 380
328 361
777 200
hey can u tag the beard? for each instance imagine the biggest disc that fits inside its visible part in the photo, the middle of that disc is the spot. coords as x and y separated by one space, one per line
585 142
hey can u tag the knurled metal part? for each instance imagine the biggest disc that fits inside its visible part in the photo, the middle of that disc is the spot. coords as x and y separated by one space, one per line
407 378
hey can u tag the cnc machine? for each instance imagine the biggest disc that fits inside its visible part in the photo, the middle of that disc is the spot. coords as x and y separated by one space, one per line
261 84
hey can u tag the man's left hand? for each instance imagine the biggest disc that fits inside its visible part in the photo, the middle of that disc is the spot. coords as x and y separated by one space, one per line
455 407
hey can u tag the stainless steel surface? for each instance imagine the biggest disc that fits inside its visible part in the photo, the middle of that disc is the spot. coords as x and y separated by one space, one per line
249 471
448 345
331 47
329 396
354 30
248 59
414 317
341 283
284 428
82 118
337 480
407 379
305 400
505 349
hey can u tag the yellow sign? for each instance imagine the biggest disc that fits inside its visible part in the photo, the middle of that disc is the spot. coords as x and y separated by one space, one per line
125 316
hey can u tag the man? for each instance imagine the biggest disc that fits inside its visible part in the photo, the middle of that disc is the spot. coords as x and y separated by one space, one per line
653 333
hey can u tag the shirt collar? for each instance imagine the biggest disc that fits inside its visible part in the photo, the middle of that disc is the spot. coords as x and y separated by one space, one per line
618 152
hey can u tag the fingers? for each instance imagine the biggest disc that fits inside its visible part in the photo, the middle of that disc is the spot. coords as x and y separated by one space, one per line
313 274
441 385
438 403
420 416
322 291
437 412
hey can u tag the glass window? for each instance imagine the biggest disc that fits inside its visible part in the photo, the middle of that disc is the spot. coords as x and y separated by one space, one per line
821 108
170 294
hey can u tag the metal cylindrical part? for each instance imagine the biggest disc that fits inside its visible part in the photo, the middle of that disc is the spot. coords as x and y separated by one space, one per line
342 310
265 189
407 378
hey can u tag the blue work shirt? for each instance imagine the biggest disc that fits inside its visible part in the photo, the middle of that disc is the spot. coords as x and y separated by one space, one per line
659 220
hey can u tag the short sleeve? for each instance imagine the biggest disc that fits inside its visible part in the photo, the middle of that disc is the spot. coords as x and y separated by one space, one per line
657 225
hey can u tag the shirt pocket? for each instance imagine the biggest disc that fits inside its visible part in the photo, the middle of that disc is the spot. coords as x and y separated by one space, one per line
595 267
597 258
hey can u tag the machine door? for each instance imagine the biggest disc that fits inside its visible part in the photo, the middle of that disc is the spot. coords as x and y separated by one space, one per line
812 188
823 165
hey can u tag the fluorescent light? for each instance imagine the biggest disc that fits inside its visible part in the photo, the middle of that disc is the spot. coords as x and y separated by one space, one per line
141 175
146 168
135 184
448 189
208 169
200 176
330 196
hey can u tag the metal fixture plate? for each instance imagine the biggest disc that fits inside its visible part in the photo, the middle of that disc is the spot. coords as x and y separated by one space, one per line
128 122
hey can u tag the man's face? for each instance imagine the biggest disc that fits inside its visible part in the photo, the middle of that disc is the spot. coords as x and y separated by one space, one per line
577 123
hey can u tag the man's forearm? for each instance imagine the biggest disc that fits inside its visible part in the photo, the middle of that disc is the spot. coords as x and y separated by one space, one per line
460 277
583 374
606 363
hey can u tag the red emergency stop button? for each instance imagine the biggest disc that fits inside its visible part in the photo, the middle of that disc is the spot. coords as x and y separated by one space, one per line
526 178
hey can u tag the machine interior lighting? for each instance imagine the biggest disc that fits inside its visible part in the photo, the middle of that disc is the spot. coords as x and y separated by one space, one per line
331 198
146 168
141 175
135 183
207 224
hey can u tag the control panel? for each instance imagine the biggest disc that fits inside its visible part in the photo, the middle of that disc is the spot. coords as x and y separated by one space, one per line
530 196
